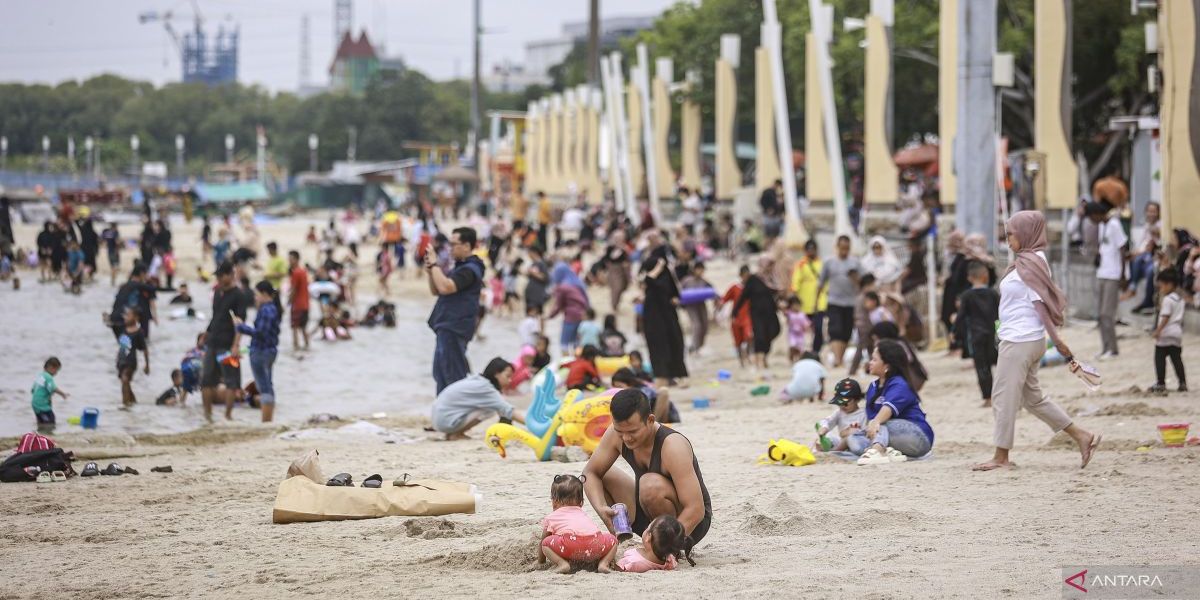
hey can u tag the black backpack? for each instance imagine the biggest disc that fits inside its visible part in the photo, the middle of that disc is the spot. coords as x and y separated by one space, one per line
13 469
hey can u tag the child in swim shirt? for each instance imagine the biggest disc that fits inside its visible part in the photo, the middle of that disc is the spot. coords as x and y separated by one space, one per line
569 535
663 543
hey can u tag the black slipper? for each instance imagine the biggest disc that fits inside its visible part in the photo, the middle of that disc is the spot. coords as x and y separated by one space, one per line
340 480
113 469
374 481
132 471
166 469
90 470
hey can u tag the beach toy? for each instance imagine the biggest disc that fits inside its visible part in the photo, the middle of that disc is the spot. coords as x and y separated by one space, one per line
90 418
637 308
787 453
690 296
584 420
621 521
573 420
826 445
761 390
1174 435
700 402
73 420
607 365
724 375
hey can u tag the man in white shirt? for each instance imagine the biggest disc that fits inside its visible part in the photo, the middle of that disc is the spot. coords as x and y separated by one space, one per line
1110 272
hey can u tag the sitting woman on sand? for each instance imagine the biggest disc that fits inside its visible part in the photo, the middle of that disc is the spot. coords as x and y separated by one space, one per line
896 426
467 402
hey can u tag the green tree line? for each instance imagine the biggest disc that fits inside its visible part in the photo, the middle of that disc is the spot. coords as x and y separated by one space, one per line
395 108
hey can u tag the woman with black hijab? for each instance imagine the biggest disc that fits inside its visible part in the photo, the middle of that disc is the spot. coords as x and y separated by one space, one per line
664 336
764 316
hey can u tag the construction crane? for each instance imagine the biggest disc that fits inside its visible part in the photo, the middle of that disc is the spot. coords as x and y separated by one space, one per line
165 18
201 61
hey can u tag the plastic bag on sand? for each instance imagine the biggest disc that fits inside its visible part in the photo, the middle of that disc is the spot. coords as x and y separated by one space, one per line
308 465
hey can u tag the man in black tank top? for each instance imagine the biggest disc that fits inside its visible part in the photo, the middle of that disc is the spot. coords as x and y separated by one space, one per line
667 479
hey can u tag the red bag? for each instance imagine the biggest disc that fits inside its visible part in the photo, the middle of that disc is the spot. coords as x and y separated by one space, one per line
32 441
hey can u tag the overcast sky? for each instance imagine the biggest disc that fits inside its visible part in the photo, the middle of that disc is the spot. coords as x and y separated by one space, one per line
49 41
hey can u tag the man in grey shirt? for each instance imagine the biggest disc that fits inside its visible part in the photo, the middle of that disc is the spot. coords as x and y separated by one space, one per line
840 275
468 401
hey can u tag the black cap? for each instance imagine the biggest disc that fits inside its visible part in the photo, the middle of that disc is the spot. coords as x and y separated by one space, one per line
845 391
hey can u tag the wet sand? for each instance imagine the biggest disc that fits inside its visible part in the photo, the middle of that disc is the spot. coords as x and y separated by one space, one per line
929 528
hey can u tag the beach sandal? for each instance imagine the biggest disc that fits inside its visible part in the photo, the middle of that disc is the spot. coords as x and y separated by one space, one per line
90 470
340 480
374 481
166 469
131 471
873 457
113 469
894 455
1091 450
45 477
58 476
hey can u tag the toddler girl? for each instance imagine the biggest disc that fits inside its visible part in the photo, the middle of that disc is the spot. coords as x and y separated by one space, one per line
798 326
663 544
569 535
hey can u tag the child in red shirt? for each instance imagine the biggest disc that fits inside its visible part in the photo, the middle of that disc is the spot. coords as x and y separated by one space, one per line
743 332
582 372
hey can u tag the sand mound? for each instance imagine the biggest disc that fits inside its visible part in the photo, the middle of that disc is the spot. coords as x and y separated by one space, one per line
506 557
433 528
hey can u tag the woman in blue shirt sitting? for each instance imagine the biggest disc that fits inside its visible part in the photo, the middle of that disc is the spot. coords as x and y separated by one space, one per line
896 427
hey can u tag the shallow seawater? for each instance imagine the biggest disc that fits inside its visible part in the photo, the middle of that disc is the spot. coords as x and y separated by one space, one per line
380 370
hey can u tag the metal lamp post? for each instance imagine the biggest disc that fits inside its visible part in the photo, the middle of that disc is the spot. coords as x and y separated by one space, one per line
179 146
71 152
3 152
134 144
88 145
45 153
229 148
314 142
260 164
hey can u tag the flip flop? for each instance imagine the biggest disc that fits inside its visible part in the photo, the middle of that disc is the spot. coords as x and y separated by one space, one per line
1091 450
166 469
374 481
90 470
113 469
45 477
340 480
58 476
132 471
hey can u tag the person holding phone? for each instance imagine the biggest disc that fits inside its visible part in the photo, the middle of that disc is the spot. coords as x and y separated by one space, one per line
456 312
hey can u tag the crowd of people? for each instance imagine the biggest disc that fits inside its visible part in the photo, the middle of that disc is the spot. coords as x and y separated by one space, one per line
843 311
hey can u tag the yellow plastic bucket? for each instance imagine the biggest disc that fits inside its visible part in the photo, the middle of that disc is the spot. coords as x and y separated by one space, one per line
1174 435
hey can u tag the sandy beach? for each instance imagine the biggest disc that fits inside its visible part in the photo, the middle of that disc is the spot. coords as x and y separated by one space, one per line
928 528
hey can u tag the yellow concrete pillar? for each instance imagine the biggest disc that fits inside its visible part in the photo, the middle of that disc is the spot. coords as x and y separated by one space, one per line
882 180
689 151
728 174
637 167
1052 101
1179 22
766 162
818 179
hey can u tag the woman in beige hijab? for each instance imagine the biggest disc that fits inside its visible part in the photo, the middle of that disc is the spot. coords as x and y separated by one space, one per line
1031 307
